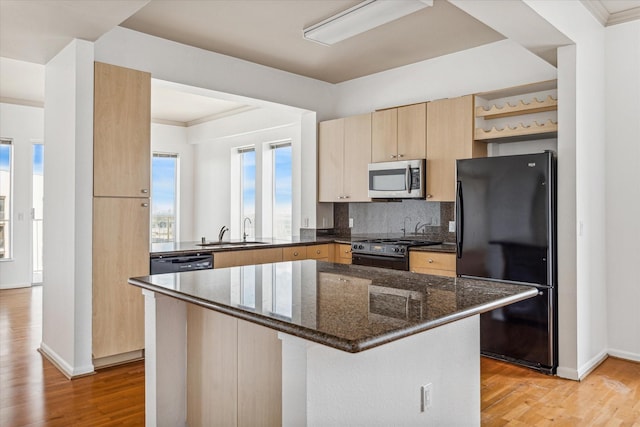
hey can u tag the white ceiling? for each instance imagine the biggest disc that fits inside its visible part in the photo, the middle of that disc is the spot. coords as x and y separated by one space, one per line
267 32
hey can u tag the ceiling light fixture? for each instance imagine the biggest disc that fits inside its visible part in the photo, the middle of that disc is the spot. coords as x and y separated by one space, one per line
360 18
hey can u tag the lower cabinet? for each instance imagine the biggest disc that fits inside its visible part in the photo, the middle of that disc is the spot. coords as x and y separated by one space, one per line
319 252
246 257
234 371
120 251
341 253
436 263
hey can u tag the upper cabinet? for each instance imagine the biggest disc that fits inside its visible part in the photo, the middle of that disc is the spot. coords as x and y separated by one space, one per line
344 153
399 133
121 132
449 137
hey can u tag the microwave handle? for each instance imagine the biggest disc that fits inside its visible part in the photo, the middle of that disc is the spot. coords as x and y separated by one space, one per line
408 179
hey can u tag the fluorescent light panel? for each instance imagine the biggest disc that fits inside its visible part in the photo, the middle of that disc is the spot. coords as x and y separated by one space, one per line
360 18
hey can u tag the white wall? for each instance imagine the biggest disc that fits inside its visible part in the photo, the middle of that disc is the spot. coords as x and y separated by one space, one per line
25 126
622 110
173 139
68 191
215 204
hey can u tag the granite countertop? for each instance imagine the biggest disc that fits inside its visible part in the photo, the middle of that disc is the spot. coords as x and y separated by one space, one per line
177 248
348 307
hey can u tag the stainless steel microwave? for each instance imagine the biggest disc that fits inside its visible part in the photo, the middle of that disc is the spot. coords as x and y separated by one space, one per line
403 179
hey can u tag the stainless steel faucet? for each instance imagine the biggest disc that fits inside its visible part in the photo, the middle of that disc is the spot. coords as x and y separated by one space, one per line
223 230
244 228
419 225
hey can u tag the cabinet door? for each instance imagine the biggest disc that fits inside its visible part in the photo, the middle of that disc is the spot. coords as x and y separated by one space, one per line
121 132
120 251
330 160
259 376
357 156
449 137
246 257
384 136
320 252
294 253
412 132
436 263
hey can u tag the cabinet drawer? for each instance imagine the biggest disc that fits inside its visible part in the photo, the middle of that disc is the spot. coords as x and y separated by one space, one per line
344 252
294 253
246 257
318 251
432 261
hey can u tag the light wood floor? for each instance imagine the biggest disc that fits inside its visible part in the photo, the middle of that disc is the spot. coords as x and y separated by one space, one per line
34 393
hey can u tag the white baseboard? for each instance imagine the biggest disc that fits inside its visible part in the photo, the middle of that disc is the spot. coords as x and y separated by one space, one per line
592 364
621 354
14 285
62 365
568 373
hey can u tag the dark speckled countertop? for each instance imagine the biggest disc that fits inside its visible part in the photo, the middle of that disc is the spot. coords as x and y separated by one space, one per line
179 248
348 307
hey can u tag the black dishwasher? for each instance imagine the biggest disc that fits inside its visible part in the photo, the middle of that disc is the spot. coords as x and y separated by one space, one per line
176 263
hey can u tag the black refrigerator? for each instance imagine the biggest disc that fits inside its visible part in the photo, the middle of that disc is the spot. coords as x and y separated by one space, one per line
505 231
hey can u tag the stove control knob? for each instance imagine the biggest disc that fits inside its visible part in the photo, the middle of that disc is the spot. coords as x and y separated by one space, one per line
361 247
402 250
396 249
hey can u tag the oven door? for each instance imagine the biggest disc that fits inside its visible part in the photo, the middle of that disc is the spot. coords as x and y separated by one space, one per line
395 263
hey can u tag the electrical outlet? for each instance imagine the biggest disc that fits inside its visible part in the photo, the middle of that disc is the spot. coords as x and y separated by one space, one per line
452 226
350 222
426 397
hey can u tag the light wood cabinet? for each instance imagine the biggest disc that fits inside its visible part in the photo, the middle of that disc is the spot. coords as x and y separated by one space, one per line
319 252
122 158
234 371
294 253
120 251
399 133
121 132
341 253
449 137
344 152
246 257
436 263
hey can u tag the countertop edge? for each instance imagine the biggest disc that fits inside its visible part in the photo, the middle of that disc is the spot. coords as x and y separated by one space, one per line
350 346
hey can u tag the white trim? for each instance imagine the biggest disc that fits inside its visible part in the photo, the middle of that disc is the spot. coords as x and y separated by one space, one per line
601 13
624 16
67 370
568 373
621 354
23 102
169 122
592 364
14 285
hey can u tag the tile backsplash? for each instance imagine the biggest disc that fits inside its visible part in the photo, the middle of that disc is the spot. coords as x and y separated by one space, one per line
430 218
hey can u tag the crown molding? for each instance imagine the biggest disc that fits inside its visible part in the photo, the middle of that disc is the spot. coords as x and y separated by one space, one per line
600 12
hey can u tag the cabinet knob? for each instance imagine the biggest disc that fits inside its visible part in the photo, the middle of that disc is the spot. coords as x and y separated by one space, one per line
346 252
345 197
318 251
144 191
430 261
393 156
429 196
400 156
295 254
144 205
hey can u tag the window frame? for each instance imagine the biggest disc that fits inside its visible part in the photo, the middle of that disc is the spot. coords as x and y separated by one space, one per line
7 217
273 146
176 201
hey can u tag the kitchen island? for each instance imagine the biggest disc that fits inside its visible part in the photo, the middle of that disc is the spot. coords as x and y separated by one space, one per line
354 344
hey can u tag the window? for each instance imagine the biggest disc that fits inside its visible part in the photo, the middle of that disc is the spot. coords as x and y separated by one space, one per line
37 196
248 183
164 197
5 197
281 203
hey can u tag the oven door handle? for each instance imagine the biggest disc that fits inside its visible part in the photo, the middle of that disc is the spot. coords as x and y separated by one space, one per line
408 179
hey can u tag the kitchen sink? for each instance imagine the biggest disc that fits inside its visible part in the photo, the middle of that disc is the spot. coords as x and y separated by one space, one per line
242 243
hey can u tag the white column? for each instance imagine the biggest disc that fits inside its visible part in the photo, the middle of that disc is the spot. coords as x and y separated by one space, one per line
165 360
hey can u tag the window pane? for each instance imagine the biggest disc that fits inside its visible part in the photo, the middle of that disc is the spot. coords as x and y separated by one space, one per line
37 206
282 191
5 200
248 208
164 197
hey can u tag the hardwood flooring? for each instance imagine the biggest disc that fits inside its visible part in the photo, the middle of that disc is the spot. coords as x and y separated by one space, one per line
34 393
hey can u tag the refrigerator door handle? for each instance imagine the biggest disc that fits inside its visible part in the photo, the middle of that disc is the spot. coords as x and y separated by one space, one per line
459 220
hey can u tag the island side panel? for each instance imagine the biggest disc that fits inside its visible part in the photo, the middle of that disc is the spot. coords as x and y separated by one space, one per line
381 386
165 360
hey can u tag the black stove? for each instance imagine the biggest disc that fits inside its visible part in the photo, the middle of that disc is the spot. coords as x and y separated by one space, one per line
386 253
